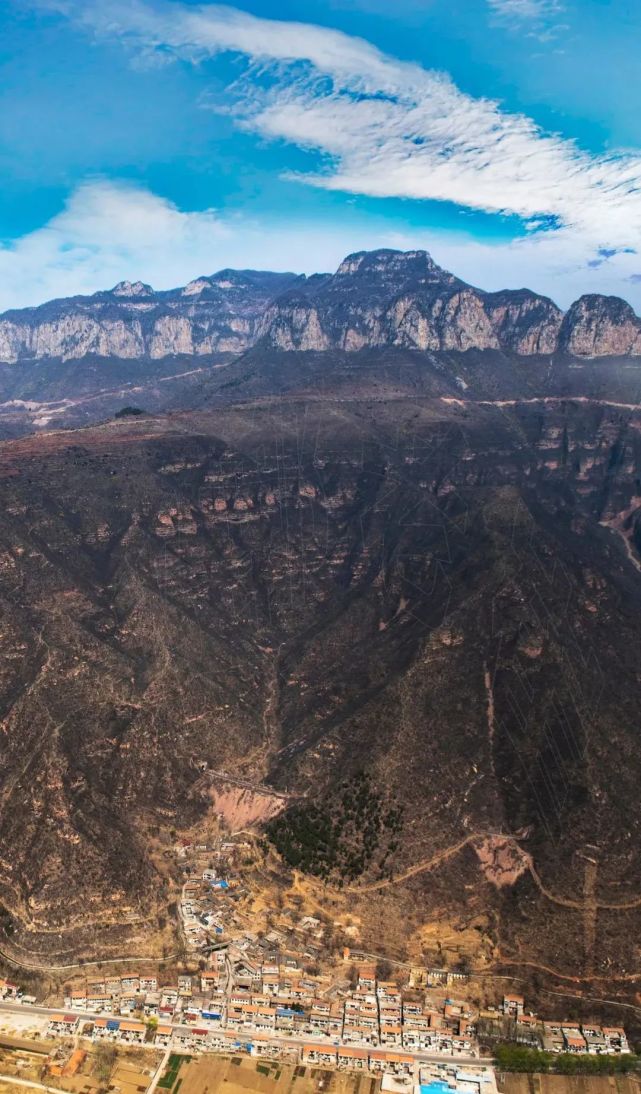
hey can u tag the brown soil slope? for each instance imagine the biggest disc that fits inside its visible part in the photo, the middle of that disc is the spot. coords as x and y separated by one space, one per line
442 595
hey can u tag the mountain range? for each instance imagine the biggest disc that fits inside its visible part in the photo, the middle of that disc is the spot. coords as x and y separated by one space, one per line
373 525
375 299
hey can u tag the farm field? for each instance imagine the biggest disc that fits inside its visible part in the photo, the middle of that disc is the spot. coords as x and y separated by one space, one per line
568 1084
210 1074
86 1071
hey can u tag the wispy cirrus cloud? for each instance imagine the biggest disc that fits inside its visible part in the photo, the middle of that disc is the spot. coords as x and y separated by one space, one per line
526 9
386 128
540 19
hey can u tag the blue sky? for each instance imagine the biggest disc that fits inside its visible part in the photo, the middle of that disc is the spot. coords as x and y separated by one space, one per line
163 140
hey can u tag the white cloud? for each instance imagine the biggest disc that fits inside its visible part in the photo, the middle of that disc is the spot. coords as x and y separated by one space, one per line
386 127
525 9
106 231
540 19
383 128
110 231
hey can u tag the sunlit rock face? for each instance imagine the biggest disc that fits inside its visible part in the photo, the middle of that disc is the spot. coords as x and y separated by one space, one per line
601 326
392 298
209 315
375 299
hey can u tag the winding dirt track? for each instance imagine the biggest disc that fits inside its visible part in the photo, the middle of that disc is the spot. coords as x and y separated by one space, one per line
587 906
449 852
624 976
13 960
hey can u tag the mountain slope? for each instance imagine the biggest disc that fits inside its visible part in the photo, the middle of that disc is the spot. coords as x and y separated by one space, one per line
441 594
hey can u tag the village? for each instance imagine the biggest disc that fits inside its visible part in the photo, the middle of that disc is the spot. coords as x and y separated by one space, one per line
270 988
278 1011
273 1009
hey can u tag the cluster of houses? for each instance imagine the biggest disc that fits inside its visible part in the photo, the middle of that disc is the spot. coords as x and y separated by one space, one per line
392 1064
271 999
117 1030
201 1039
344 1057
372 1014
272 1009
584 1038
560 1037
204 916
319 1054
207 906
359 1059
131 993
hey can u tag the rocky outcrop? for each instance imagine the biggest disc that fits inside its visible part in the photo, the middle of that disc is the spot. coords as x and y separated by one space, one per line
375 299
132 288
451 322
294 324
217 314
392 298
524 322
598 326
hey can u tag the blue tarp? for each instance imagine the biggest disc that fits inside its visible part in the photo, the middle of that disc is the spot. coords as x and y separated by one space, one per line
112 1024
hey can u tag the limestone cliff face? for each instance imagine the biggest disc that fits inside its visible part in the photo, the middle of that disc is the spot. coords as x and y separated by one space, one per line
391 298
71 335
375 299
293 324
597 326
524 322
212 314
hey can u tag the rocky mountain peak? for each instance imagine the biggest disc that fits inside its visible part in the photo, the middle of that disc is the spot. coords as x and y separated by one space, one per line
404 299
194 288
385 259
132 288
525 322
390 268
598 325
